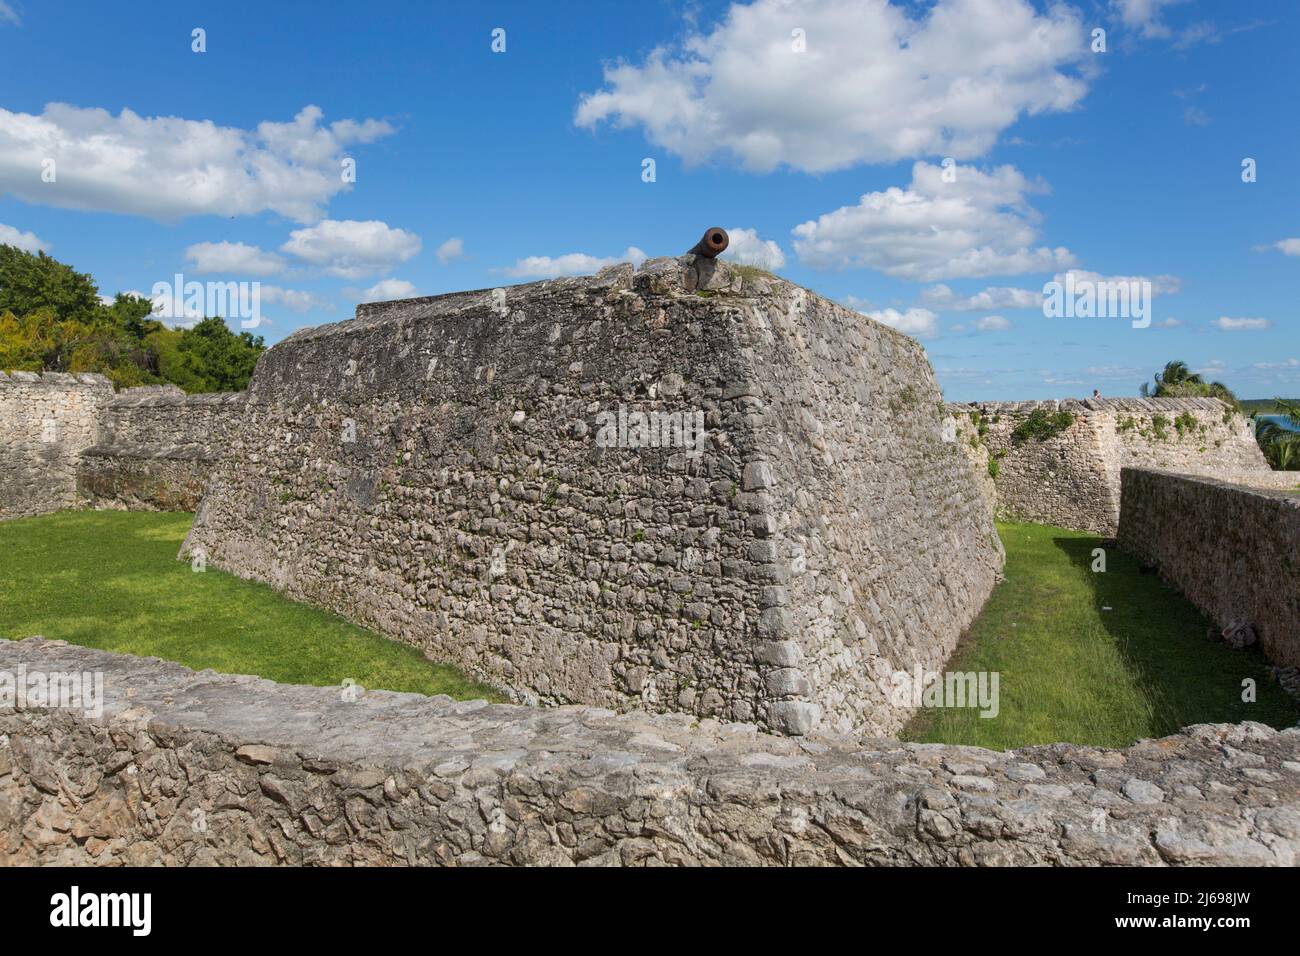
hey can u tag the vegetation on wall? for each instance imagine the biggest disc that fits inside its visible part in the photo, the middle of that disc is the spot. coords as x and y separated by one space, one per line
1040 426
53 320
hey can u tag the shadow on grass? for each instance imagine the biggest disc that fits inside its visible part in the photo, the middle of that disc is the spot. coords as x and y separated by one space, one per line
1171 648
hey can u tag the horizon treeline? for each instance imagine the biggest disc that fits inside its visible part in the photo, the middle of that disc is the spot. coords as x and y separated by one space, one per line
52 319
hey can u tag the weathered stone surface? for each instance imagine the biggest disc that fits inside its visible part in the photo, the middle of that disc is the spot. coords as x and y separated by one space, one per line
1073 479
431 469
210 769
45 424
156 448
1233 551
68 441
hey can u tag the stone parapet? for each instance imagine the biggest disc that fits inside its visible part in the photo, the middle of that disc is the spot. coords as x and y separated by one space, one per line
186 768
1233 551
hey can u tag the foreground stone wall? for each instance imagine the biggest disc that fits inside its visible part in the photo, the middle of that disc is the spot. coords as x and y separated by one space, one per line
208 769
46 423
1073 478
1233 551
156 448
434 469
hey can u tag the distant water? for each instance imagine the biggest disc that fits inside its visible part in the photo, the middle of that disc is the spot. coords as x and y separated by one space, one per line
1280 420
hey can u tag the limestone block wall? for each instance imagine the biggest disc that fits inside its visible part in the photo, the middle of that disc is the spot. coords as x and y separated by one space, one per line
1073 479
46 422
291 775
438 469
1233 551
71 441
970 432
156 448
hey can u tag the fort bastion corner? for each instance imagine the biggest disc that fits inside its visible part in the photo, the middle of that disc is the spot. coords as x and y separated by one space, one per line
448 471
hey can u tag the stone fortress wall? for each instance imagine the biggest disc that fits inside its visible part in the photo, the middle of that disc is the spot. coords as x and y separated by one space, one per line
434 469
1233 551
72 441
46 421
156 448
1072 479
291 775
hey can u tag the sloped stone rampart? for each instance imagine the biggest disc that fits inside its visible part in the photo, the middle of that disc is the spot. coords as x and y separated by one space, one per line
445 471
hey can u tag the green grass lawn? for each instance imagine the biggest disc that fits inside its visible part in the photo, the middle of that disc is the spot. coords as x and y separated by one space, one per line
1071 671
110 579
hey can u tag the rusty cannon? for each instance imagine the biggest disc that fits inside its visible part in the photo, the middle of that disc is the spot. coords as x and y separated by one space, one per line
713 243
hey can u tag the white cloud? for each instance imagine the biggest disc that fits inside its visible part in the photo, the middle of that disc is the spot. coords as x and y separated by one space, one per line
167 167
1169 323
570 264
295 300
352 249
233 258
8 14
1277 366
387 289
1144 16
1160 284
992 323
919 322
874 85
1195 116
1115 371
1227 324
26 241
450 250
978 225
1288 247
994 297
858 304
747 247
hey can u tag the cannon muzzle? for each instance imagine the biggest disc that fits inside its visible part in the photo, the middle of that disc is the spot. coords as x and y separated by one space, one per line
715 241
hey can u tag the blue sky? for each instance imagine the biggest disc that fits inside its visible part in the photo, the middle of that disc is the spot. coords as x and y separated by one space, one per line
816 131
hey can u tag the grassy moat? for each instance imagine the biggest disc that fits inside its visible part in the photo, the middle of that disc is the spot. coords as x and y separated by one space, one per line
1095 658
110 579
1069 670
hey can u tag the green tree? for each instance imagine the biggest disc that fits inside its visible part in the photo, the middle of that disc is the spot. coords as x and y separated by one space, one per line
1281 446
31 281
1179 381
216 359
52 319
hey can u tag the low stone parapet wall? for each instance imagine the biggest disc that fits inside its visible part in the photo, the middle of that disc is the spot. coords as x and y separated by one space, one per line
1233 551
144 478
70 441
186 768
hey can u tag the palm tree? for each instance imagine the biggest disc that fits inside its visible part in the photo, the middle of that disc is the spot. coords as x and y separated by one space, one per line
1290 409
1281 446
1176 373
1179 381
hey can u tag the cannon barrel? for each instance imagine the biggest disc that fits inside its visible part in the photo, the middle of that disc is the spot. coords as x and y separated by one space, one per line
715 241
